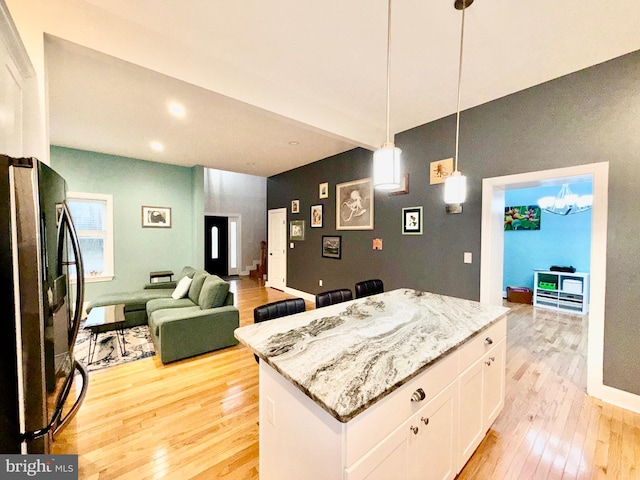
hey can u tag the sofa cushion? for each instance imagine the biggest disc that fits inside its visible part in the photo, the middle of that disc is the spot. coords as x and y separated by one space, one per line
165 303
213 293
186 272
159 317
182 288
196 285
133 301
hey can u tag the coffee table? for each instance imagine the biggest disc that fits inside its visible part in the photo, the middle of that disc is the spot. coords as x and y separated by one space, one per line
105 319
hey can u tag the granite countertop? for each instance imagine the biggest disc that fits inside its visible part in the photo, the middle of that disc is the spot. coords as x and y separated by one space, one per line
348 356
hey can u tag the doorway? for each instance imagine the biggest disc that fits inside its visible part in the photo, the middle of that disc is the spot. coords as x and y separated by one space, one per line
216 245
492 250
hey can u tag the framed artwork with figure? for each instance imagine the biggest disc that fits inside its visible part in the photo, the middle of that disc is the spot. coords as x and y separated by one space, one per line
156 217
354 205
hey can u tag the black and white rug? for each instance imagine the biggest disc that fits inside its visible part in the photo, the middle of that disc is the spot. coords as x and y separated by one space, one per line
107 353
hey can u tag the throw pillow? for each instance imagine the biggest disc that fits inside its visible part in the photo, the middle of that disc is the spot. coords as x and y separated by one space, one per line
182 288
213 293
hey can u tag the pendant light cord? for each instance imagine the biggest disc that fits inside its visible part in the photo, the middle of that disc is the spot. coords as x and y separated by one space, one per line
388 70
464 4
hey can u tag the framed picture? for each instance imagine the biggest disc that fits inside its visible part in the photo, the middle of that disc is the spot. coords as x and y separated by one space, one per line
316 216
296 230
332 246
404 186
354 205
156 217
453 208
412 221
323 190
295 206
525 217
440 170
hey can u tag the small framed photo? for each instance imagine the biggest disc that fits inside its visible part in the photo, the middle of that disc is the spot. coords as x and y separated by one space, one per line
454 208
440 170
323 190
412 221
295 206
156 217
316 216
296 230
332 246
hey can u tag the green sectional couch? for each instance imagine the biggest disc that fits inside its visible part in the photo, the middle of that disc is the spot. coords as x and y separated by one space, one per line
201 321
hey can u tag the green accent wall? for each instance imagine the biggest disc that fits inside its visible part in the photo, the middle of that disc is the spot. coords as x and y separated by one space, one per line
134 183
587 117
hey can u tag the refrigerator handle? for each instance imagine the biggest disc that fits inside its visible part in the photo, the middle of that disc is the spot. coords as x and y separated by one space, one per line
66 226
58 422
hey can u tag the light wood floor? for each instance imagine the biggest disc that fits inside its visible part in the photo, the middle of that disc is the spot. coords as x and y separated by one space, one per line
197 418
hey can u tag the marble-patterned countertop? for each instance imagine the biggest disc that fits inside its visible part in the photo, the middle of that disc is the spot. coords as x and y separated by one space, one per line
348 356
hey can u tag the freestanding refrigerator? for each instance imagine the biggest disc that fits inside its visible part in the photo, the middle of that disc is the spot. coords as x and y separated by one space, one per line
41 281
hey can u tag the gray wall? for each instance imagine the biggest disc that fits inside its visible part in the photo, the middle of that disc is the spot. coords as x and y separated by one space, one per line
227 193
586 117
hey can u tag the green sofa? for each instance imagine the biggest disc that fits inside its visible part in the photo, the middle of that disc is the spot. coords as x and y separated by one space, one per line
202 321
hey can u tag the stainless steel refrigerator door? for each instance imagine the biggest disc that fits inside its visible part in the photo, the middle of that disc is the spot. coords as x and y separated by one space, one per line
27 273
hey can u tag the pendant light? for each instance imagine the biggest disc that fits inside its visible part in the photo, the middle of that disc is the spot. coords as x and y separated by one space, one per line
386 160
455 186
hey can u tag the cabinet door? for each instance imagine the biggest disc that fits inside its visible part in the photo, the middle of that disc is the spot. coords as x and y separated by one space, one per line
471 429
390 459
436 444
493 389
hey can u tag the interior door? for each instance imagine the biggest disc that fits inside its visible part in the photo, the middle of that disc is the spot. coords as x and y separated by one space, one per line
216 245
277 248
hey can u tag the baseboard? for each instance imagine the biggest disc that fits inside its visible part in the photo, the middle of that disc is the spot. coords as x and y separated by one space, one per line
617 397
310 297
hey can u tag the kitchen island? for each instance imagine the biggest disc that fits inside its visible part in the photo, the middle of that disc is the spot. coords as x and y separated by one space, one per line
403 384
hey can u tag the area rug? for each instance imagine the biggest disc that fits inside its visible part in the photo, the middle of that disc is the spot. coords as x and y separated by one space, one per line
107 354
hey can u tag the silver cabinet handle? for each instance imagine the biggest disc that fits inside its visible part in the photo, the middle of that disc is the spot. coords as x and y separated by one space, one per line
414 429
488 363
493 359
418 395
424 420
488 341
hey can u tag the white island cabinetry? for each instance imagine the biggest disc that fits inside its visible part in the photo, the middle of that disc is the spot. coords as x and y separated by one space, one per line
370 419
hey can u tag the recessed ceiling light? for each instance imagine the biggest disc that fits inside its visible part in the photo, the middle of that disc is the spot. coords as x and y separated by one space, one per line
157 146
294 142
176 109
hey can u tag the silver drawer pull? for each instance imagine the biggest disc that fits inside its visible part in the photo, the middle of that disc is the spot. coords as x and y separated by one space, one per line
414 429
418 395
488 341
424 420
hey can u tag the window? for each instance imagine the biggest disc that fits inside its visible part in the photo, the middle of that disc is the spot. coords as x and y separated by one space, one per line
93 217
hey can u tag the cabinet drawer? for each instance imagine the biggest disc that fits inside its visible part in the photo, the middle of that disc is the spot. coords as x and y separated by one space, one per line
479 345
375 423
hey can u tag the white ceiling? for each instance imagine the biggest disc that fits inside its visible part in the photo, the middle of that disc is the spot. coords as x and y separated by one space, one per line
254 76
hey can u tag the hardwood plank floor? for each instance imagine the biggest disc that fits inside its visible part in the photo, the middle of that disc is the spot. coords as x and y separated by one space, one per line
198 418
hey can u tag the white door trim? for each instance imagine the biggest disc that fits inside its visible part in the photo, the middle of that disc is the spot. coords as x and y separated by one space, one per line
269 283
492 254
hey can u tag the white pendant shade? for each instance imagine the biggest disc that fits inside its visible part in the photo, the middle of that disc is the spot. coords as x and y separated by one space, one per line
455 188
386 167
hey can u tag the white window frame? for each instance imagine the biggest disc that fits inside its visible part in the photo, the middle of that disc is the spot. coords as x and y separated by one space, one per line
108 273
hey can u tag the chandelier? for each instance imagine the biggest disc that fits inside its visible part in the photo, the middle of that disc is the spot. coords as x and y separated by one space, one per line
566 202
